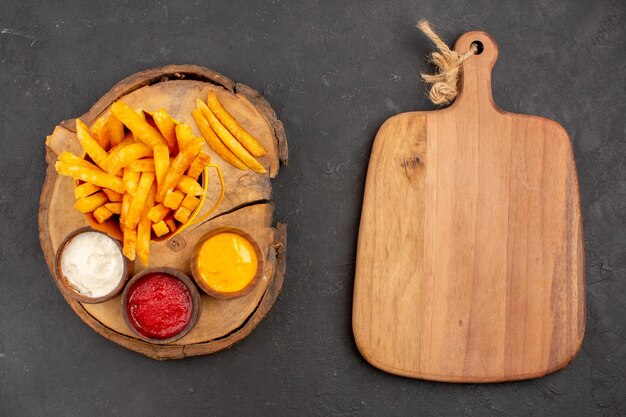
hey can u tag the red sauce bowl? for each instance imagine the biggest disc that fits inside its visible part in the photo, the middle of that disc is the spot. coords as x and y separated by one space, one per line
160 305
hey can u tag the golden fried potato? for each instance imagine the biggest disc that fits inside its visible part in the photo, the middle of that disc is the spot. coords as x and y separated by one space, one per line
129 247
215 143
102 214
130 180
89 144
198 165
170 222
161 164
85 189
190 202
72 159
229 140
178 167
144 228
160 228
126 156
90 203
100 134
182 214
183 135
115 208
158 213
189 186
90 175
167 127
138 203
128 140
138 125
126 199
143 165
246 139
173 199
113 196
115 130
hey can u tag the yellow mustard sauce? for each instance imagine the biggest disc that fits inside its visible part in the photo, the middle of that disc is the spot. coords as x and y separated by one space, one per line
227 262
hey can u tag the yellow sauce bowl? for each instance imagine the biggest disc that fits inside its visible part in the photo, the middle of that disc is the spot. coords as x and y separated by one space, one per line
213 290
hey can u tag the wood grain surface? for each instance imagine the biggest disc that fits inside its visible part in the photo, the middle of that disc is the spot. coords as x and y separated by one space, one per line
470 260
247 205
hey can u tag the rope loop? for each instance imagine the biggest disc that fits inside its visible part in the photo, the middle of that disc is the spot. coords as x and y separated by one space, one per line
444 84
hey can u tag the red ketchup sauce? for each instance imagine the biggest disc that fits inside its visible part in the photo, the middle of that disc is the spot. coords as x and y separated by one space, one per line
159 306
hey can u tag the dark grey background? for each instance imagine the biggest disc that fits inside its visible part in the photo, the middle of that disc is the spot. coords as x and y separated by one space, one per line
334 71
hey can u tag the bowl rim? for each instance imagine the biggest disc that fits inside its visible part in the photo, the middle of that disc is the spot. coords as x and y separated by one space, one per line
227 295
67 288
195 302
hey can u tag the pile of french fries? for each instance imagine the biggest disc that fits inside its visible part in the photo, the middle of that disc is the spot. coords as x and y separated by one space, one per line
140 169
226 136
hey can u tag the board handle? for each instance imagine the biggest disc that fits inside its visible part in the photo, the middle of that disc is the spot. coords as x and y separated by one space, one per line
475 83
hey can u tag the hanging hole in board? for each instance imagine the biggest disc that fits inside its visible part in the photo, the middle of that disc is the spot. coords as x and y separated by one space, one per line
479 47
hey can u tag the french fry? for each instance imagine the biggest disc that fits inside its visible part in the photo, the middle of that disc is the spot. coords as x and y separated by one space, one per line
142 165
173 199
215 143
167 127
144 228
126 199
113 196
246 139
130 180
161 163
89 144
72 159
126 156
229 140
150 202
190 202
102 214
115 208
158 213
128 140
138 125
198 165
189 186
160 228
85 189
182 214
143 241
138 202
108 131
178 167
100 134
115 129
90 203
90 175
170 222
183 135
130 242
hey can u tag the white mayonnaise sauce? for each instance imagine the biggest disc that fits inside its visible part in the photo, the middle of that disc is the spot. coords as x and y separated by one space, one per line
92 263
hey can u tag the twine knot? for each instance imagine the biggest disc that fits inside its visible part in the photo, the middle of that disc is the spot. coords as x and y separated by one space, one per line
444 84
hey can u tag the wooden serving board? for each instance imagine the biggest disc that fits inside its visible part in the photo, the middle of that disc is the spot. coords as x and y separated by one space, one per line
247 205
470 263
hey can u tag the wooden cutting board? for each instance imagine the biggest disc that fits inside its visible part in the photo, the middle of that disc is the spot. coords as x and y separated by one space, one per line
470 261
246 205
